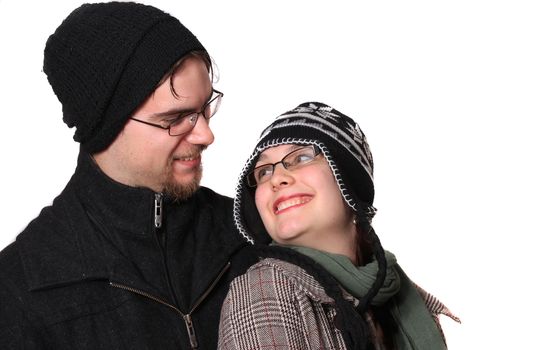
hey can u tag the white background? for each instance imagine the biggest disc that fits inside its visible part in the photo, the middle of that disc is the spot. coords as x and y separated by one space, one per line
445 92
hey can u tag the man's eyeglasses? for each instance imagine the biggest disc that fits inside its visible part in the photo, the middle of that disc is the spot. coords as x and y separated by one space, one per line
181 123
290 161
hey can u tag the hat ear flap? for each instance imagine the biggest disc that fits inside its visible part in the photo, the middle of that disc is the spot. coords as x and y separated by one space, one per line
252 220
357 183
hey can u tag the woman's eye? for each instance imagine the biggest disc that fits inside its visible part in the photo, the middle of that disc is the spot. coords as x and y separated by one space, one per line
299 158
303 158
263 173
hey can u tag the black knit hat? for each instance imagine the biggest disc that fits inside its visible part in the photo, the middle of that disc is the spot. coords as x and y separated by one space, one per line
105 59
342 143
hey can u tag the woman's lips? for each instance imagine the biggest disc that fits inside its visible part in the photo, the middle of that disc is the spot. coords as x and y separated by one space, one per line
288 202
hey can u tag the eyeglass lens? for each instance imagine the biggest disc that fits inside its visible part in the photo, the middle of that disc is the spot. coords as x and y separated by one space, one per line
186 123
291 161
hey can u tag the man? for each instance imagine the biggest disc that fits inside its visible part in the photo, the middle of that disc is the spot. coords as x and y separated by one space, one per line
133 254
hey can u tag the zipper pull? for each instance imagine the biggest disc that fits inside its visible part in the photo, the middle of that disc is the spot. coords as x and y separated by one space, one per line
158 210
191 331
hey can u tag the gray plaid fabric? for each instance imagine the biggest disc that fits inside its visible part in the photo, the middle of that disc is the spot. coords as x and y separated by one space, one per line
278 305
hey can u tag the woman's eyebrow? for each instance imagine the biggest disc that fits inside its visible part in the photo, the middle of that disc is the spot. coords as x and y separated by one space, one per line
289 150
261 160
294 147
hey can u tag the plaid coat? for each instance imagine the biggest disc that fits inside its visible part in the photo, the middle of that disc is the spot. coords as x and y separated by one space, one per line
278 305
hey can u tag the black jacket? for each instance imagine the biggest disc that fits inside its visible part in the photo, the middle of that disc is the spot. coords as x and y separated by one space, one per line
93 271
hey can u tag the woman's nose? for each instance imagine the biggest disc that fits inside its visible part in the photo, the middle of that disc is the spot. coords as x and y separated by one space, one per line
281 177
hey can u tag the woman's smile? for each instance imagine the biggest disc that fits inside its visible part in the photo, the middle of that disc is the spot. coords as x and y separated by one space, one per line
289 202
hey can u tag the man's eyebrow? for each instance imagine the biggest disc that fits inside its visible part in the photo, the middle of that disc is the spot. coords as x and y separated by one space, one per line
170 112
176 111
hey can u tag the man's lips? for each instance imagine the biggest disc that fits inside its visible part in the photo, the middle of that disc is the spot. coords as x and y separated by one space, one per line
190 161
287 202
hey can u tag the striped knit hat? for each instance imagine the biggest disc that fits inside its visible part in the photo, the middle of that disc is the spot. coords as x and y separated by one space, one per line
345 148
341 142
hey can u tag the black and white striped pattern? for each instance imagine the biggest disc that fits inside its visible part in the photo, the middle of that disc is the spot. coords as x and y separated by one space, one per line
342 144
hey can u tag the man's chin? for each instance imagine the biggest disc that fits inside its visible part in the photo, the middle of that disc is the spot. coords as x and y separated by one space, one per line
181 191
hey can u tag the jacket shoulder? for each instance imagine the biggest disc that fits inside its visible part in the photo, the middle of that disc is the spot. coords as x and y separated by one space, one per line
209 195
270 306
11 271
13 292
216 205
291 275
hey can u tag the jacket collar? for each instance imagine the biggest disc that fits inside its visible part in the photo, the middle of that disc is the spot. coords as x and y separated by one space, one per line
98 228
125 208
92 230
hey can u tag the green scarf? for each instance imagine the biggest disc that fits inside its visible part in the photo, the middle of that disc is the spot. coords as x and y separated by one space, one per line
417 329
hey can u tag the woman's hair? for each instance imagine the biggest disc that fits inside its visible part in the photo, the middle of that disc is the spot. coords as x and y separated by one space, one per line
370 244
364 249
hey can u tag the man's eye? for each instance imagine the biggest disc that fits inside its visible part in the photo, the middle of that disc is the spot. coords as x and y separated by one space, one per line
168 120
175 119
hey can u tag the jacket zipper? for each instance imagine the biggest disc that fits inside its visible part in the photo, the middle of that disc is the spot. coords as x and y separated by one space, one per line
158 210
187 318
161 239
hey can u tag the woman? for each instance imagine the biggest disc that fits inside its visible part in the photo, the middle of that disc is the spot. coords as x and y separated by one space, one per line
325 281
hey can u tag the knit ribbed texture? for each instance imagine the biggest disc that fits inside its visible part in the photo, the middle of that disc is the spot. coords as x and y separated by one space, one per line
105 59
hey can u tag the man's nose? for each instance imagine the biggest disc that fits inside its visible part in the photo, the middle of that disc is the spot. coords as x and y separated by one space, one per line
201 134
